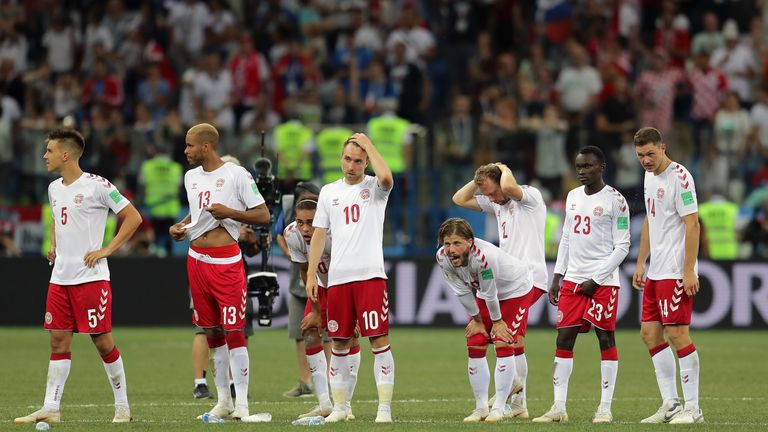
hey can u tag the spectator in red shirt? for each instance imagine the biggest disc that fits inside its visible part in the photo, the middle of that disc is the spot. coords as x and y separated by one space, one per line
250 77
102 88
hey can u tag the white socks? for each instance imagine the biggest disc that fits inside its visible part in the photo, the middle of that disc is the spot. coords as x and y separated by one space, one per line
608 371
58 371
689 375
354 365
503 375
240 364
219 358
479 380
339 378
384 373
318 366
666 371
561 376
521 369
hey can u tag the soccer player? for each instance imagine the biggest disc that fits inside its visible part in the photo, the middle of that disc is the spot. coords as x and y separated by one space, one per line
298 235
222 196
671 236
352 208
79 293
502 283
521 216
595 241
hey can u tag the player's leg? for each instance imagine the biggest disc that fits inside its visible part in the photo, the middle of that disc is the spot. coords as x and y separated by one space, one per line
199 364
372 304
239 365
513 312
518 406
688 357
341 327
354 365
296 311
318 365
479 375
113 366
609 368
652 333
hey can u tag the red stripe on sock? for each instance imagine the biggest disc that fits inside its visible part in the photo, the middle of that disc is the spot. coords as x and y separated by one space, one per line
216 342
658 349
685 351
354 350
519 351
563 353
61 356
343 353
609 354
476 352
313 350
377 351
507 351
112 356
235 339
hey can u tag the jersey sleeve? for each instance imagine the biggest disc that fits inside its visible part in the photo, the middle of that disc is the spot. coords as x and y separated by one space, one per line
561 265
294 248
621 237
110 196
379 192
322 217
486 264
247 189
686 201
531 198
485 204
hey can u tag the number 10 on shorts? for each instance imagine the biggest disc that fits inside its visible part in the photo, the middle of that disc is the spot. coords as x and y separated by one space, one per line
370 320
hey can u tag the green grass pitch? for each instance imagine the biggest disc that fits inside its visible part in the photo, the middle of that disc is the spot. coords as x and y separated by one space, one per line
431 390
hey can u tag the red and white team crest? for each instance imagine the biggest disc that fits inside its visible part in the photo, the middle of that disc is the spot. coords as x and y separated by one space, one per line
219 183
559 316
598 211
79 199
365 194
48 318
660 193
333 326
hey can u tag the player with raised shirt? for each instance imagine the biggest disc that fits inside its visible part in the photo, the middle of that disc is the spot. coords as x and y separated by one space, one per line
298 235
502 284
671 236
353 208
595 242
221 196
521 216
79 294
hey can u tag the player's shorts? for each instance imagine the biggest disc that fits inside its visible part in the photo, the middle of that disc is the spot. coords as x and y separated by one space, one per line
665 301
366 302
514 312
217 283
82 308
534 295
322 299
578 310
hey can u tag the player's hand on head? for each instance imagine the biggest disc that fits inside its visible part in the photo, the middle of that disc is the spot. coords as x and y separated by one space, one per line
92 258
690 283
473 328
218 211
362 140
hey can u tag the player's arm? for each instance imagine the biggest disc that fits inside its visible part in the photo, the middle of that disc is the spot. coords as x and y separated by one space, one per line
283 244
379 165
177 230
52 250
316 246
499 329
642 256
692 230
258 215
509 184
129 220
561 264
466 298
465 197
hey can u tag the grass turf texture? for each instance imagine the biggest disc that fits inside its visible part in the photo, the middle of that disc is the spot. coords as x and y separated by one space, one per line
431 388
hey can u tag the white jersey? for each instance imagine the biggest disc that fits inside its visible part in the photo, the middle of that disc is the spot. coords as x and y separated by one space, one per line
298 248
521 230
493 273
595 236
80 212
230 185
668 197
355 215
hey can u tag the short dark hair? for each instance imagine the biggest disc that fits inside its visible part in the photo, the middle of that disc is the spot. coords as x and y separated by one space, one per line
308 202
457 226
647 135
593 150
68 136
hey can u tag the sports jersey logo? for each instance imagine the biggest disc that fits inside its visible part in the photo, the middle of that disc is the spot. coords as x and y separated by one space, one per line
219 183
660 193
333 326
559 316
335 202
79 199
598 211
365 194
48 318
573 207
194 186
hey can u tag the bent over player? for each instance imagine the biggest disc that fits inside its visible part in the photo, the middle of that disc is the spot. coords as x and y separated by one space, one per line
79 294
595 242
497 313
221 197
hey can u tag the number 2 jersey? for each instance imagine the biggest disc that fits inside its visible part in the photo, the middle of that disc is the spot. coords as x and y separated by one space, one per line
80 212
492 272
230 185
668 197
298 248
355 215
595 237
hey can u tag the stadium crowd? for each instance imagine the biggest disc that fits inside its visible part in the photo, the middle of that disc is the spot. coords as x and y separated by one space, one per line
464 82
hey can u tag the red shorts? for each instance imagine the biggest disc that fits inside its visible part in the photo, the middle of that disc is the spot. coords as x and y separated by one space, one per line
217 284
365 302
514 312
534 296
83 308
322 299
665 301
578 310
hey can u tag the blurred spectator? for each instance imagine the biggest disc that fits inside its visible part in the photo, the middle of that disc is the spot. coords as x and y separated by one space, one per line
367 93
616 116
62 41
629 174
455 141
709 38
708 85
221 32
154 92
250 77
732 130
411 85
656 90
188 20
11 83
339 110
294 143
8 247
66 96
718 220
293 72
756 233
737 62
716 168
13 45
213 91
552 163
160 179
96 32
418 40
119 21
36 124
103 88
10 115
672 33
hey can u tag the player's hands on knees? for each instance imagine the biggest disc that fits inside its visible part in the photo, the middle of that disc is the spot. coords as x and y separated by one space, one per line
51 255
690 283
177 231
638 280
588 287
502 332
312 320
219 211
91 258
312 289
473 328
